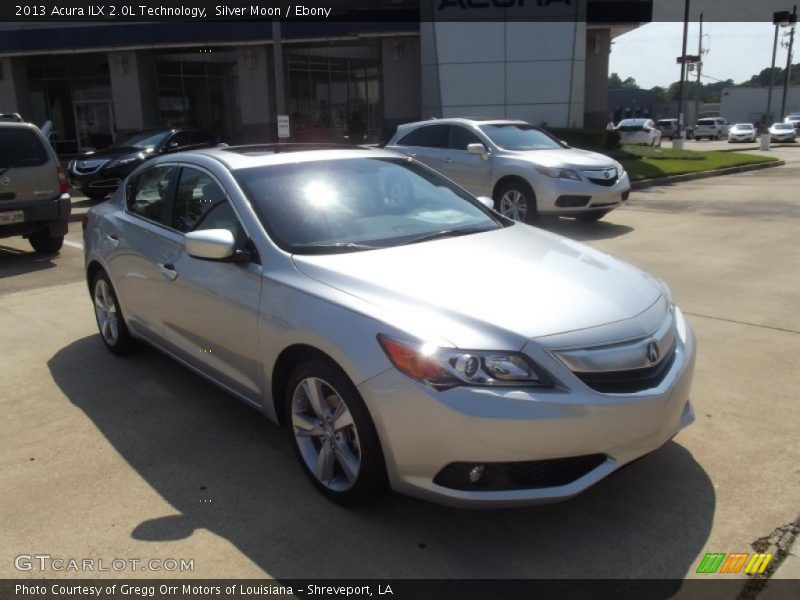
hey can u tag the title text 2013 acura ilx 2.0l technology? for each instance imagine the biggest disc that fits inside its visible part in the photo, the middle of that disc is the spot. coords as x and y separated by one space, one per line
408 336
524 169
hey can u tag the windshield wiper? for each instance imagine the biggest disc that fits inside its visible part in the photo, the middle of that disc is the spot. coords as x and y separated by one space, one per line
332 247
445 233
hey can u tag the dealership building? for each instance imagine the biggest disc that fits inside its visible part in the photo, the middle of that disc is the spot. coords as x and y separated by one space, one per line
97 82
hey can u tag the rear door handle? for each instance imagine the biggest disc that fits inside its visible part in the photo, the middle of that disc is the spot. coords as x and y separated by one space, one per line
168 271
411 154
113 238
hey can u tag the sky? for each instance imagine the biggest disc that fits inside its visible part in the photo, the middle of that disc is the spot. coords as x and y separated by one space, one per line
736 51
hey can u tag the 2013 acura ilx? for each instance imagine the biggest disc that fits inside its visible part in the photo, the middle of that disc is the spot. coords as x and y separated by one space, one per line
408 336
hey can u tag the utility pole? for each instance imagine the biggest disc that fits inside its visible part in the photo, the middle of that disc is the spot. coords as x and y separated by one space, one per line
683 74
768 120
788 62
699 68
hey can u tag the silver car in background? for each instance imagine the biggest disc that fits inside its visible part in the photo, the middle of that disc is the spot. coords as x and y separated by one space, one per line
742 132
782 132
525 170
416 341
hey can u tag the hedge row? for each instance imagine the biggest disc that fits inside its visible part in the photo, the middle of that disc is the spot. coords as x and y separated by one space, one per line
587 139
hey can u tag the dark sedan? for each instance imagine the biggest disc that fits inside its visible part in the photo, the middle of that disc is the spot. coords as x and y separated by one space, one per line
99 173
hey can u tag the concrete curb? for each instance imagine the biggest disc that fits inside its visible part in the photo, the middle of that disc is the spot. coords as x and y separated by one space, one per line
646 183
790 567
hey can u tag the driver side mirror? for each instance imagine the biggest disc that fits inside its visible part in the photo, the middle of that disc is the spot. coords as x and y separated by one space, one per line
479 150
210 244
486 201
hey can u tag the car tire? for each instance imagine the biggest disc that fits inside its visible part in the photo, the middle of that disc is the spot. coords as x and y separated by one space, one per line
110 320
593 216
345 461
517 201
44 243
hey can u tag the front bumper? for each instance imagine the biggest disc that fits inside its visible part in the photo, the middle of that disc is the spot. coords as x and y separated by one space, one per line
741 138
783 138
551 194
423 431
104 179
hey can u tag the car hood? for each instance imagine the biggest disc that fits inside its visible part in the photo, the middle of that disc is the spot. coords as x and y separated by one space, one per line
498 287
566 157
117 152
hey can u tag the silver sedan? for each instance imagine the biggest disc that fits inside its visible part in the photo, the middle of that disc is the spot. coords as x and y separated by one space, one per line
407 336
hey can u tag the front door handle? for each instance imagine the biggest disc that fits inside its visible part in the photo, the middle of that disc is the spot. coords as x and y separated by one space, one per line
168 271
448 160
113 238
411 154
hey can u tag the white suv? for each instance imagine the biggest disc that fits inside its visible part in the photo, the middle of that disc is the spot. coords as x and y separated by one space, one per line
713 128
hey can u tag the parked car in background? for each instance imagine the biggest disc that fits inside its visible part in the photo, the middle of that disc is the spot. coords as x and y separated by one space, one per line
742 132
639 131
794 120
34 200
523 169
98 173
782 132
713 128
12 117
669 129
361 299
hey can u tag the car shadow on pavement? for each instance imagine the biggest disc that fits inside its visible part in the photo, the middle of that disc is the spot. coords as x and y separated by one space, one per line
582 231
227 469
14 261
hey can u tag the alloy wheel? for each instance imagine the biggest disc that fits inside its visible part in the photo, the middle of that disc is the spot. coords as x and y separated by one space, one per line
105 309
514 205
326 434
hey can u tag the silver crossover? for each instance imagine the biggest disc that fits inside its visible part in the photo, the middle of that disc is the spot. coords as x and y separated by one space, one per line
525 170
408 336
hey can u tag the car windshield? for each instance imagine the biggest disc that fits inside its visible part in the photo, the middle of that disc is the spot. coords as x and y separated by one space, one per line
520 136
146 140
666 123
709 122
351 204
786 126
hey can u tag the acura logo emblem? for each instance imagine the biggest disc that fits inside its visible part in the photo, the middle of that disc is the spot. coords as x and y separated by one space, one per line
652 353
82 164
5 180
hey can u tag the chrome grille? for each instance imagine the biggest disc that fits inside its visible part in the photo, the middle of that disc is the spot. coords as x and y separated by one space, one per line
605 177
628 366
86 167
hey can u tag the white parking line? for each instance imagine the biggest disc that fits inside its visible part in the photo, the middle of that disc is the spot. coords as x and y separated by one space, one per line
72 244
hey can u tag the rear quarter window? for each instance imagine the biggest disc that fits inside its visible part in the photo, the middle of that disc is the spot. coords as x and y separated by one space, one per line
21 148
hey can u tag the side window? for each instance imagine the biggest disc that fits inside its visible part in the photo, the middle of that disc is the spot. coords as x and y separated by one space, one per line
410 139
201 204
435 136
147 193
461 137
200 137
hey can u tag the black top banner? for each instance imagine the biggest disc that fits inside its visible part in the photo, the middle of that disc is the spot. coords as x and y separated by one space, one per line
31 12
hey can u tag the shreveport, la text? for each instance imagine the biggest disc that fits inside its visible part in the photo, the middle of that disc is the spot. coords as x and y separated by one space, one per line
186 589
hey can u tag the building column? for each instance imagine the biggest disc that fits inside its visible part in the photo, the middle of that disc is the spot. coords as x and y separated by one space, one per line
14 87
132 91
598 48
254 94
400 82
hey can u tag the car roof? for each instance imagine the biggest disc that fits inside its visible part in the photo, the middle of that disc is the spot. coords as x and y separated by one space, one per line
464 121
244 157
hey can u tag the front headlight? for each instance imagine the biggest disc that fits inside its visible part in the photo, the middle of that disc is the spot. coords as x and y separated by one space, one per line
556 173
444 368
